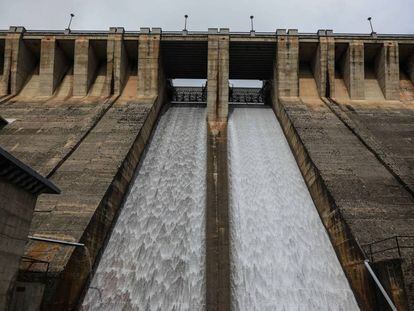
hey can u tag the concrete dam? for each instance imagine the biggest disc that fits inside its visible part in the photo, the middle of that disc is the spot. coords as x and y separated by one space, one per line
295 195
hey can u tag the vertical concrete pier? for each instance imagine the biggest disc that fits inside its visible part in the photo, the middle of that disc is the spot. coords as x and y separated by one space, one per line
286 65
117 60
148 62
353 70
217 214
218 75
410 68
387 70
323 64
53 66
84 67
18 62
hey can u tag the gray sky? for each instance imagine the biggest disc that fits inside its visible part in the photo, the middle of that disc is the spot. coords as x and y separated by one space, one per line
389 16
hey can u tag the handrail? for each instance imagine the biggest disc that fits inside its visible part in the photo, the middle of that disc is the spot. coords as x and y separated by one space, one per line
378 283
390 238
36 238
398 245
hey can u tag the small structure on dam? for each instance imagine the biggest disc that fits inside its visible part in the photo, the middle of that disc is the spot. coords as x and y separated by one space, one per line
176 197
19 188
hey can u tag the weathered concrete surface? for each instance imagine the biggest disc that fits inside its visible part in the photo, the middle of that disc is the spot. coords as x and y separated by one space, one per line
286 65
353 70
148 63
46 131
117 64
93 181
218 75
387 129
389 272
53 66
93 67
217 219
19 62
16 210
371 202
387 70
90 147
323 64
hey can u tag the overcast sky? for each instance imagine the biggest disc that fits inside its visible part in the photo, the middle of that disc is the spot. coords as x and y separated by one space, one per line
389 16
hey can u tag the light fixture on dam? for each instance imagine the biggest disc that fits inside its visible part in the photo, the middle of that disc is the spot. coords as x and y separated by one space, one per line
185 22
70 21
370 24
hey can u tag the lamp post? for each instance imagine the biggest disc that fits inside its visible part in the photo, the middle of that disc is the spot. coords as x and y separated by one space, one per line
251 23
185 22
370 23
70 21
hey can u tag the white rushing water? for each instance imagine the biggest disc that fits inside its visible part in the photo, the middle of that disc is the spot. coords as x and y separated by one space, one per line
282 258
155 256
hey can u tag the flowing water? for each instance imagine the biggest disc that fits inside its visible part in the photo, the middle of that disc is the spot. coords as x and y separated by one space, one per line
154 259
282 258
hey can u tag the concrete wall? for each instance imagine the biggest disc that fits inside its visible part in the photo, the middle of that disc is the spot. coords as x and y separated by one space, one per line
16 210
117 67
390 274
218 75
53 66
410 67
2 47
148 63
323 64
387 70
286 65
19 63
353 70
85 66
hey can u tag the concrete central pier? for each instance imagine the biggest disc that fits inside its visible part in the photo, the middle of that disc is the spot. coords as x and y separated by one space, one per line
217 214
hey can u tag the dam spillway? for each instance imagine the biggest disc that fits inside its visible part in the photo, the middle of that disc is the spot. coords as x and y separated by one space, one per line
282 258
79 106
154 259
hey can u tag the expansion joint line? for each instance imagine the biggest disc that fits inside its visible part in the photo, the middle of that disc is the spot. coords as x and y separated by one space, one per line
329 102
76 146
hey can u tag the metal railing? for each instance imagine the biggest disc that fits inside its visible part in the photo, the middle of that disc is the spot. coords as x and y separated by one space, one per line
244 95
30 261
388 246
